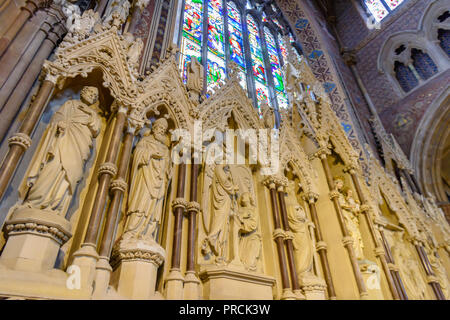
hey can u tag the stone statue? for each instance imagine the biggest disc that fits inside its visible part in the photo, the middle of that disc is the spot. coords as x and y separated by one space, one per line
439 271
408 265
223 206
134 51
119 9
250 239
66 146
149 177
304 246
81 26
194 79
350 211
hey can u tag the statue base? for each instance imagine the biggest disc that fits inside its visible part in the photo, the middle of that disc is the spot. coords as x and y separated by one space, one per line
371 275
33 239
135 264
230 283
313 287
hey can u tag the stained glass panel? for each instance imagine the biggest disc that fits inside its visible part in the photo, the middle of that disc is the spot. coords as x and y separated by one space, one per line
192 24
191 40
444 40
405 77
377 9
235 36
393 4
255 49
188 49
423 63
216 44
215 71
262 93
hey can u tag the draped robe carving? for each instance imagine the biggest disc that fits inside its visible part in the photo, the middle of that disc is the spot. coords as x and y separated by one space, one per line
149 177
66 146
223 203
250 239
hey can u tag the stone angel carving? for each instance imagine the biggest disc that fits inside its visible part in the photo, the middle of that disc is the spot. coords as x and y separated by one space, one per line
66 145
149 178
195 79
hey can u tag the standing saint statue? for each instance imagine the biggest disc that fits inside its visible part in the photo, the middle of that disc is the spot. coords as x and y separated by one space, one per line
66 146
250 239
149 177
350 211
304 246
223 207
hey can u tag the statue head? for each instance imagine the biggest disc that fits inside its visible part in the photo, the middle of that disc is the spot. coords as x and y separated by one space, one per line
300 212
89 95
338 182
159 129
347 191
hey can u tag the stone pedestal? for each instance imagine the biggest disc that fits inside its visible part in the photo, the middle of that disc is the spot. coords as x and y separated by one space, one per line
191 286
313 287
102 278
174 285
86 259
372 278
229 283
33 239
135 264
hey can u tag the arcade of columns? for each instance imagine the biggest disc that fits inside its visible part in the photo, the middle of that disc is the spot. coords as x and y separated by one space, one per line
102 212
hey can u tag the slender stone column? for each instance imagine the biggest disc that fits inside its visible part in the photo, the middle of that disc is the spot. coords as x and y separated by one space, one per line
279 235
347 240
379 250
392 268
11 80
321 246
25 13
431 277
15 100
289 244
175 279
106 171
138 8
101 7
118 188
191 282
86 257
20 141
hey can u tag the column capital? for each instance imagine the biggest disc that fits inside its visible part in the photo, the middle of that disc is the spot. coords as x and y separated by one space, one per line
278 233
141 4
379 251
334 194
179 203
323 152
321 245
119 184
20 139
347 241
107 168
193 207
311 197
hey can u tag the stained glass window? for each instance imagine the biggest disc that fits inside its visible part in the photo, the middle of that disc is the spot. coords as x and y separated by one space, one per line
216 44
236 40
218 32
259 72
191 41
444 40
275 64
380 9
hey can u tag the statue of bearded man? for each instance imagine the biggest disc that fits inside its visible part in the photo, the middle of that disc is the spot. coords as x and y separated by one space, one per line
149 177
61 157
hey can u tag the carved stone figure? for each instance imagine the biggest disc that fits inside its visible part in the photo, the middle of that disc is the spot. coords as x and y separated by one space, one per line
81 26
66 146
350 211
303 243
223 207
134 51
149 177
119 9
439 271
408 265
194 79
250 239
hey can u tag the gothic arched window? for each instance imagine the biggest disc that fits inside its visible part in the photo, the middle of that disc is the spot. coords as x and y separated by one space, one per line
380 9
444 32
217 32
